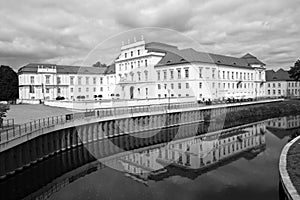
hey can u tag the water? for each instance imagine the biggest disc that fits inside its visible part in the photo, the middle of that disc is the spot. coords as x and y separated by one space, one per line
239 163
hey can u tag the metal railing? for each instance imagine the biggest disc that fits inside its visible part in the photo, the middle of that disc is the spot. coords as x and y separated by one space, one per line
16 131
20 130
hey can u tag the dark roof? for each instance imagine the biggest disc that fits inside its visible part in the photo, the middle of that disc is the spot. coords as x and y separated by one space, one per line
63 69
176 56
252 59
280 75
111 69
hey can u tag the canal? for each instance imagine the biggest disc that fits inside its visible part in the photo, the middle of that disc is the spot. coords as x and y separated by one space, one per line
239 162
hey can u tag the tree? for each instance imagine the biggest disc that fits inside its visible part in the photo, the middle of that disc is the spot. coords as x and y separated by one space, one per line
295 71
99 64
3 110
9 86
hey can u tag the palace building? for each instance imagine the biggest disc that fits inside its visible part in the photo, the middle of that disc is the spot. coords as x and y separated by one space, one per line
148 71
157 70
280 84
51 82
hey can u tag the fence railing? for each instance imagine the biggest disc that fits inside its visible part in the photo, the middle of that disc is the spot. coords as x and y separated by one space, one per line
15 131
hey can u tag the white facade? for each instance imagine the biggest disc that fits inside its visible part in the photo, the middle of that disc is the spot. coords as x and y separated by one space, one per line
46 82
279 84
142 74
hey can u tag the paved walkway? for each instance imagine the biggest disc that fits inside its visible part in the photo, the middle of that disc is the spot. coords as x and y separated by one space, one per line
23 113
293 164
289 168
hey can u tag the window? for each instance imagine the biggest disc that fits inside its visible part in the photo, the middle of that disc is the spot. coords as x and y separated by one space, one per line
274 92
165 85
213 85
279 85
187 85
138 52
125 55
200 85
94 81
32 79
101 89
179 85
31 89
132 76
186 70
179 73
101 80
172 86
58 90
274 85
158 86
146 91
279 92
165 75
269 84
47 79
79 89
94 89
232 75
58 79
228 75
87 89
72 80
47 90
213 73
79 80
146 63
269 92
171 74
158 75
139 76
72 90
223 74
131 53
87 80
146 75
200 72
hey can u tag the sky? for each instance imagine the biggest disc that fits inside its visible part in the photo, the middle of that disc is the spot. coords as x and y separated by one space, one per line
79 32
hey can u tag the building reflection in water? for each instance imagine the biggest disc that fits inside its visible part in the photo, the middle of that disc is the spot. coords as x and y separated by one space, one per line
283 127
187 151
195 154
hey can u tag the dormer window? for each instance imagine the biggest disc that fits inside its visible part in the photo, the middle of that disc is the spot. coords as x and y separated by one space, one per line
169 61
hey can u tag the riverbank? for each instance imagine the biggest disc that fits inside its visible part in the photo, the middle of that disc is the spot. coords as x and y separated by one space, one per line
293 164
289 170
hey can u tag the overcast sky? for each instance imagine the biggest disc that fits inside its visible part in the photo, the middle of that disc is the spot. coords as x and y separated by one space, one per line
67 31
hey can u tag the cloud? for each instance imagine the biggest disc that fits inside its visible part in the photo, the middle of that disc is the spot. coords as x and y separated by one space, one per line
67 31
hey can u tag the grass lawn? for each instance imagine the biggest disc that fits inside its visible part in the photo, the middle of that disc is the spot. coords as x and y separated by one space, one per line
23 113
293 164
